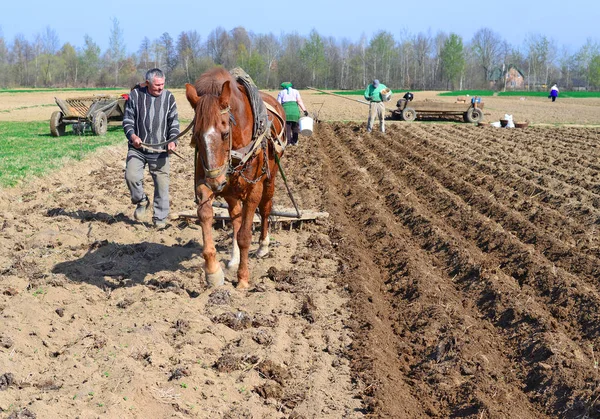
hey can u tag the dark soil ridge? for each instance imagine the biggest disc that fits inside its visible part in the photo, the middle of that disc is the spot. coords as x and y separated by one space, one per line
433 244
573 217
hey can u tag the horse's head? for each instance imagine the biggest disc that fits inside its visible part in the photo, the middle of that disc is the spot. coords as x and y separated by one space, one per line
212 133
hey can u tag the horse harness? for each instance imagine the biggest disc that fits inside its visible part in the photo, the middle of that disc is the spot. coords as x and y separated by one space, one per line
237 159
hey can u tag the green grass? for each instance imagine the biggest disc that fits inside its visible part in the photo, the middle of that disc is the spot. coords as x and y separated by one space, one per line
362 91
27 149
483 93
562 94
69 89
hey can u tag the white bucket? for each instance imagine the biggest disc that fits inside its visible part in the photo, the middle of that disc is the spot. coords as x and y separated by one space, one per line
306 126
386 95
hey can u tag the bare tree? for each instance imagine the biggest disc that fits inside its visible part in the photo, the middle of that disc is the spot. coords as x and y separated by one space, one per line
49 43
438 46
422 48
3 62
269 47
144 53
240 44
116 48
539 58
288 67
218 46
19 59
170 53
486 47
158 54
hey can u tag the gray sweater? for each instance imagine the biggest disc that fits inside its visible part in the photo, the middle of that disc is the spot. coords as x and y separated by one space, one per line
153 118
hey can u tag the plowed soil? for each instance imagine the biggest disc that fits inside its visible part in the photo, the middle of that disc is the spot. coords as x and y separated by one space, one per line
457 275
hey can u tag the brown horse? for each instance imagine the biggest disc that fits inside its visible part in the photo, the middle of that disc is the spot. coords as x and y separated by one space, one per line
234 162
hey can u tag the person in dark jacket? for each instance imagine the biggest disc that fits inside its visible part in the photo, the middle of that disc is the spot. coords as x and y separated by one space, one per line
150 117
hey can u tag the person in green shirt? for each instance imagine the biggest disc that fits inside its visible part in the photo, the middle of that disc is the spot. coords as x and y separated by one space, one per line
292 105
376 106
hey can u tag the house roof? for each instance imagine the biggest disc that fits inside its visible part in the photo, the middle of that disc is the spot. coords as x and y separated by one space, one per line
496 74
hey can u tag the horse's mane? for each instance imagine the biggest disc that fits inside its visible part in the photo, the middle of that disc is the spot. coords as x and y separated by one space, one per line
211 82
209 86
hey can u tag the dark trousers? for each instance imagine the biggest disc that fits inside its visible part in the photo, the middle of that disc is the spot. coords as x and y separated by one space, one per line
291 132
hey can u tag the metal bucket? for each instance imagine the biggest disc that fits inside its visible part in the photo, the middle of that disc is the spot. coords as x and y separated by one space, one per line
306 126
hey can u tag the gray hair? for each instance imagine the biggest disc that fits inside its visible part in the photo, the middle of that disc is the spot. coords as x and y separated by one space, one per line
155 72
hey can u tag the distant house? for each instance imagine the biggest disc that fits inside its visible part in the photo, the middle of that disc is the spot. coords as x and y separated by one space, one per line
515 80
578 84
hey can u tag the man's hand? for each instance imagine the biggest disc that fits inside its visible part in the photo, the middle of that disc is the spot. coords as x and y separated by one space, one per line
171 146
305 113
136 141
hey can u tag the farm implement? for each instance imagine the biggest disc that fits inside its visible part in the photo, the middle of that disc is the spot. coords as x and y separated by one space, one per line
92 112
409 111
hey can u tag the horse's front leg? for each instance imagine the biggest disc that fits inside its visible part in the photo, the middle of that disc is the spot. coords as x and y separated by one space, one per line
264 240
244 240
235 214
212 269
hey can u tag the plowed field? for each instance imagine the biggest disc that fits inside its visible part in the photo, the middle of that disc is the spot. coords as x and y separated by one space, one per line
456 276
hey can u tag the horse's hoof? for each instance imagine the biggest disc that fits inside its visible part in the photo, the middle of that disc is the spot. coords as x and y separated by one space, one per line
262 252
243 285
233 264
215 279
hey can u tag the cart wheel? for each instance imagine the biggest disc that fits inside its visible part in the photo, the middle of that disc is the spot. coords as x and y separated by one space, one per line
57 126
409 114
474 115
99 123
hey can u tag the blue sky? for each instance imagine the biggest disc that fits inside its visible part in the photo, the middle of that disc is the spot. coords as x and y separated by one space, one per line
568 23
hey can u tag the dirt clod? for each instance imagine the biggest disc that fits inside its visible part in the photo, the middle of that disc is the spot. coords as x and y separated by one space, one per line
308 310
268 390
272 371
6 380
220 297
236 321
22 414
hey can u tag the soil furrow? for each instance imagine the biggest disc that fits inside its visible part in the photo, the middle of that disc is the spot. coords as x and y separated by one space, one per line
557 404
456 179
424 294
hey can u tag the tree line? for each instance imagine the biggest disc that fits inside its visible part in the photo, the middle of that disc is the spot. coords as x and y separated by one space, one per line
444 61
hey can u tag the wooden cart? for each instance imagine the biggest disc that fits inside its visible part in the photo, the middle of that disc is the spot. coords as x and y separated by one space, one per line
87 112
409 111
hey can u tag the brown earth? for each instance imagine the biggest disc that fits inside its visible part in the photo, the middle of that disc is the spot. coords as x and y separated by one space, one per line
457 276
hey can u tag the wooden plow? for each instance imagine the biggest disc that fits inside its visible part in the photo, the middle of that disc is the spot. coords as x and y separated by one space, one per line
278 218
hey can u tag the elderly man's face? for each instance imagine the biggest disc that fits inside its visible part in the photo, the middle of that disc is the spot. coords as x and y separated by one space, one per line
156 87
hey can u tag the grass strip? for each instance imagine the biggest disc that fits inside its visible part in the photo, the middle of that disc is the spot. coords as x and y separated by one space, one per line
27 149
